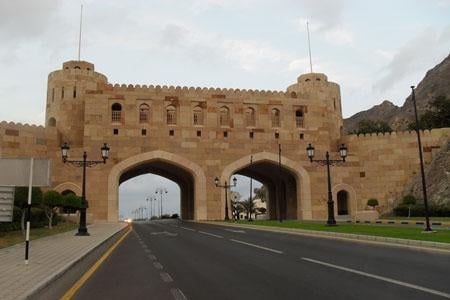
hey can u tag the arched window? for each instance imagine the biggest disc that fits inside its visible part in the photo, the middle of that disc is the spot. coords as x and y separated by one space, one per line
144 111
198 115
116 112
51 122
275 117
299 118
224 116
250 119
171 115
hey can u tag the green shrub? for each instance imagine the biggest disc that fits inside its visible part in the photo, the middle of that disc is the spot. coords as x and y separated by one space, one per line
372 202
418 210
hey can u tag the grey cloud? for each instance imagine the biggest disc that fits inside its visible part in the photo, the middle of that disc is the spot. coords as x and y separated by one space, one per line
22 19
173 35
324 12
416 55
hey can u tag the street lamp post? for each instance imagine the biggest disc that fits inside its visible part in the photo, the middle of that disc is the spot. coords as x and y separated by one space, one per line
226 187
148 209
422 171
82 229
161 191
327 162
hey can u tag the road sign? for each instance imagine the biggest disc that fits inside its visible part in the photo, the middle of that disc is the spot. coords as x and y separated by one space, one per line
6 203
16 172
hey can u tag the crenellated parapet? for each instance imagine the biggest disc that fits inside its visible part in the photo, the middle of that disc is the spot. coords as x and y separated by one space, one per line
195 91
22 140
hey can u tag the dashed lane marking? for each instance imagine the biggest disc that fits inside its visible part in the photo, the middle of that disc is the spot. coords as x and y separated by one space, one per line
187 228
257 246
382 278
166 277
178 294
234 230
147 250
158 265
152 257
211 234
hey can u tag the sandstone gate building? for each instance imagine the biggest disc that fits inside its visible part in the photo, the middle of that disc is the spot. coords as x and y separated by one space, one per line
192 135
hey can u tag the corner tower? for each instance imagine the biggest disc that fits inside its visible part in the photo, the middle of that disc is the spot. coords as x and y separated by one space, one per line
66 92
325 97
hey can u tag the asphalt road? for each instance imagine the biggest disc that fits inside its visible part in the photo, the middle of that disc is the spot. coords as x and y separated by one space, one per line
175 260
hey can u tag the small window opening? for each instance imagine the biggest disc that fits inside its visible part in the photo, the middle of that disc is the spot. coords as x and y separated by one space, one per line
53 94
171 132
299 118
62 93
199 133
225 134
277 135
77 67
144 132
116 112
317 79
74 91
115 131
302 136
251 135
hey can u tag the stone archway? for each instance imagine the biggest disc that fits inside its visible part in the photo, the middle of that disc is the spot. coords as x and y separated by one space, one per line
68 186
302 180
128 165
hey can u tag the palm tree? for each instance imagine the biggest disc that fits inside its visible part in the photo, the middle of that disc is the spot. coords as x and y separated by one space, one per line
249 207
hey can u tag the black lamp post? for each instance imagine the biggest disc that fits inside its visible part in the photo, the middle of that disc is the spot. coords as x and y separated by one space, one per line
422 171
82 229
226 187
161 191
327 162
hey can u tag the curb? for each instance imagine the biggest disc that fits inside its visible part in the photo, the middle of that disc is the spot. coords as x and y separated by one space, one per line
397 222
66 267
396 242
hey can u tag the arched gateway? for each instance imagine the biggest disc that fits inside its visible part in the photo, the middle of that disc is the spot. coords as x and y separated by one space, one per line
192 135
188 175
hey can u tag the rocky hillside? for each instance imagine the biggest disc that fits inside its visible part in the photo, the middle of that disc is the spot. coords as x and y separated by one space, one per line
435 83
438 179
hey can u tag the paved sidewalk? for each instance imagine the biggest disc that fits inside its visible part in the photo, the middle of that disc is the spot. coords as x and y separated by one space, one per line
49 258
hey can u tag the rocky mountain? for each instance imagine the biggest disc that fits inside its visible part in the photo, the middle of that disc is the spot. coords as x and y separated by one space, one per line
435 83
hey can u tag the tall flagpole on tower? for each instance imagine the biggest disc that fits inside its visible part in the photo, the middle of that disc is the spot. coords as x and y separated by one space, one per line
79 37
309 47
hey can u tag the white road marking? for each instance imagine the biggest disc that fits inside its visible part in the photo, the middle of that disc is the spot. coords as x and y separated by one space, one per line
257 246
234 230
382 278
147 251
176 226
166 277
211 234
152 257
158 265
164 233
178 294
187 228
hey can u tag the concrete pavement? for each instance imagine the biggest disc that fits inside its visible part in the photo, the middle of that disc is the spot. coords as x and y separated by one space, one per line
49 258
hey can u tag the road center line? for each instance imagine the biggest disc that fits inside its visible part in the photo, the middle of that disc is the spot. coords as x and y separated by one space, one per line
166 277
211 234
257 246
157 265
387 279
187 228
178 294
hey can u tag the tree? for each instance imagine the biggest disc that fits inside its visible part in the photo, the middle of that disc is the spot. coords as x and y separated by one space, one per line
50 201
71 202
21 200
409 200
438 116
369 126
260 193
372 202
249 207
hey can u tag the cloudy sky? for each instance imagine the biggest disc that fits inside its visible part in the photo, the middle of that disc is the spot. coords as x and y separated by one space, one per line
374 49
